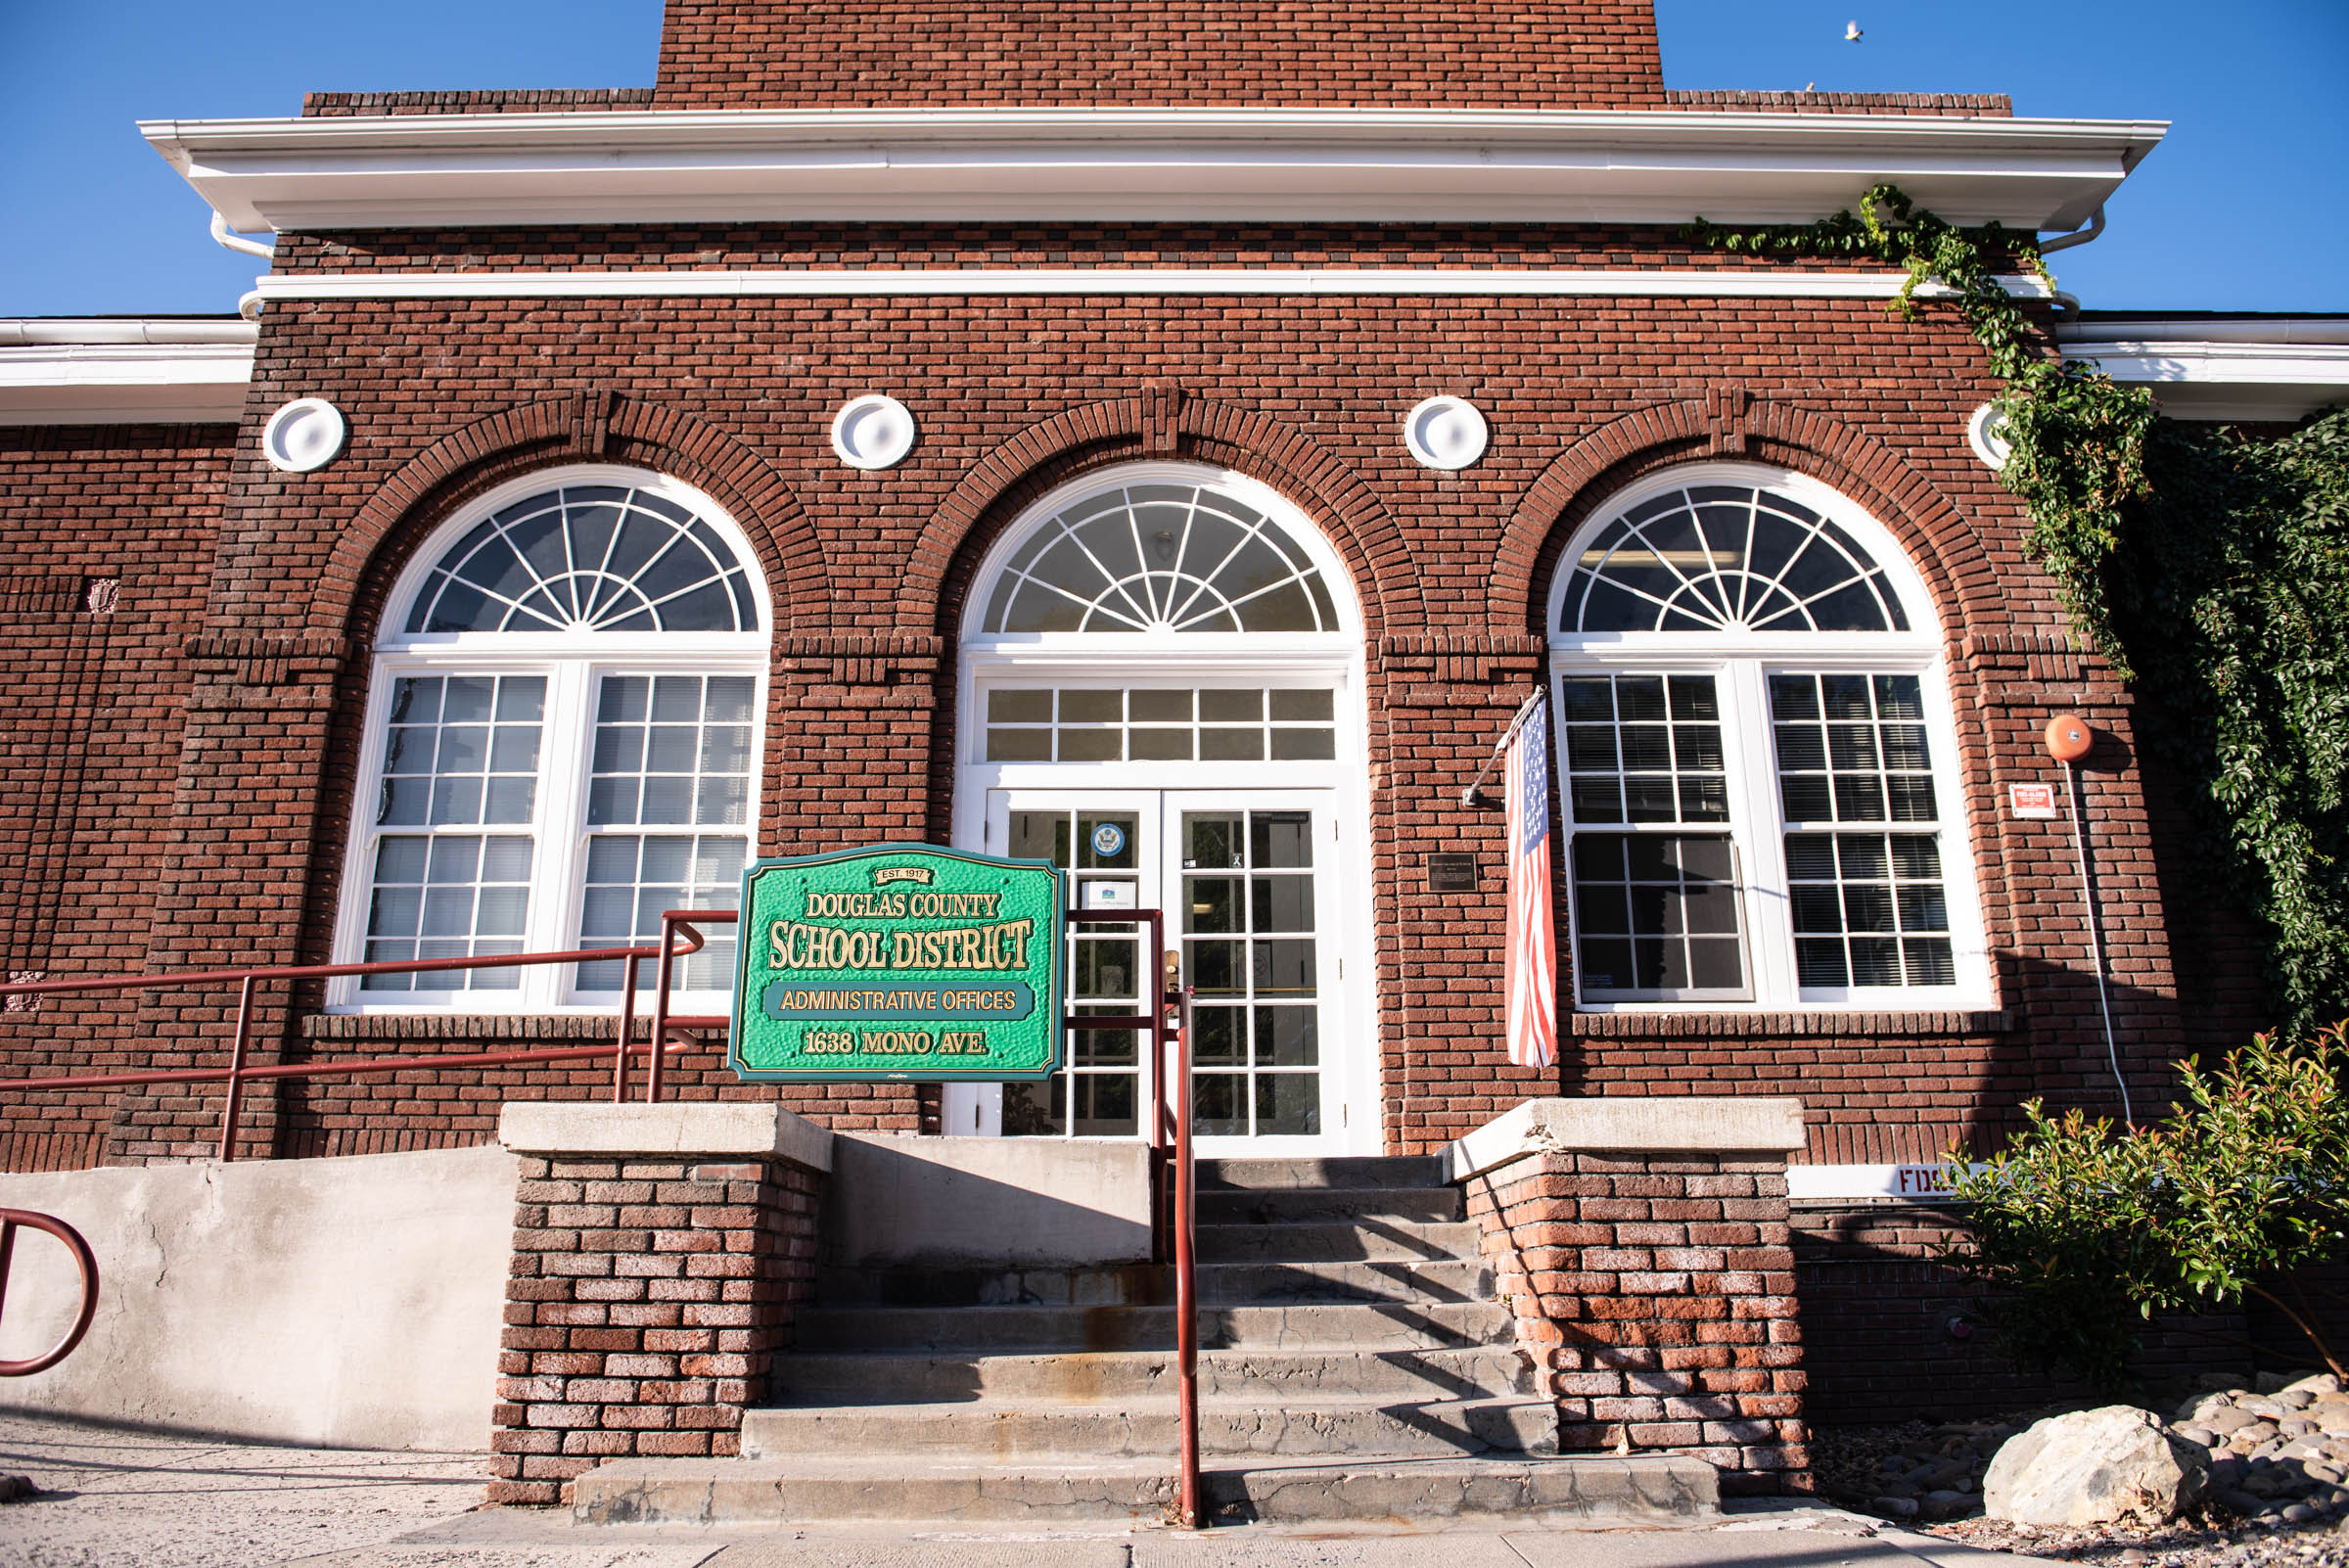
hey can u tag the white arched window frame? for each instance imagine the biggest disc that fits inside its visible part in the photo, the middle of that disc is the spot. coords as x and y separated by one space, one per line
1174 658
1666 904
597 698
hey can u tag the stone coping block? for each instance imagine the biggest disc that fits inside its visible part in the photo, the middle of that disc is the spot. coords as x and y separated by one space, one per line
756 1132
1671 1123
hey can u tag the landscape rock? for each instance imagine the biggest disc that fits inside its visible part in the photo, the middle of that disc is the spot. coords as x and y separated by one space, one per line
2093 1467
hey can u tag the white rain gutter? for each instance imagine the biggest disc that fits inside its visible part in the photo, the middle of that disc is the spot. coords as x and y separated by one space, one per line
1117 164
123 371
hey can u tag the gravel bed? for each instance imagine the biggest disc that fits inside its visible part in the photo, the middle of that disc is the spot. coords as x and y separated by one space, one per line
2279 1483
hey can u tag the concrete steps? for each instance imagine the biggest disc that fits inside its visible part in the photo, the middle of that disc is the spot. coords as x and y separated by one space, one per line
1299 1490
1353 1365
1145 1428
1078 1377
1364 1325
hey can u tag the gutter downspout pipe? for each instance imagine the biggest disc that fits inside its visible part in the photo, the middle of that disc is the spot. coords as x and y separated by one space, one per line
237 242
2065 241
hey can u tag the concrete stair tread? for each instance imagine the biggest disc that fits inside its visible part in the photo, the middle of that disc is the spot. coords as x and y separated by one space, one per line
1660 1488
1276 1205
1144 1403
1341 1241
1228 1428
1247 1175
1305 1325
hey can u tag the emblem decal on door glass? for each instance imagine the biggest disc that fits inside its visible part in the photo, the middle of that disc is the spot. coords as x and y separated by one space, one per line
1109 839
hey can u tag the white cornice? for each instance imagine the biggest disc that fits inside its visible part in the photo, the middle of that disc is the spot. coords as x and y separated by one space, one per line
1079 165
1722 283
2235 377
113 372
2271 367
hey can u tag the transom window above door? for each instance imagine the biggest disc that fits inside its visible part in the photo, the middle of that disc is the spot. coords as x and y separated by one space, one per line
1175 552
1756 758
562 741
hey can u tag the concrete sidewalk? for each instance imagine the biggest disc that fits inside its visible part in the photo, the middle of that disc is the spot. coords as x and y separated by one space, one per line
112 1498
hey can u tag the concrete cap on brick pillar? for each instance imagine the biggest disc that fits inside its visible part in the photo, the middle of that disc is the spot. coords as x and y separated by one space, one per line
738 1132
1693 1124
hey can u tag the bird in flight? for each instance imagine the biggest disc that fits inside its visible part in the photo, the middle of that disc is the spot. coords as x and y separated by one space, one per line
1851 32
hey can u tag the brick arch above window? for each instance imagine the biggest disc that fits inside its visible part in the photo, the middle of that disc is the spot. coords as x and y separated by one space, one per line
1158 425
410 506
1936 539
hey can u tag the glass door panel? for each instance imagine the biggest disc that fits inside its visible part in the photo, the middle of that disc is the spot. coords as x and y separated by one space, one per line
1109 852
1251 933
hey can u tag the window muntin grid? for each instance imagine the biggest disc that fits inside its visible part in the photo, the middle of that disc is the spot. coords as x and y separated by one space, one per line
1728 558
1251 952
1102 1068
1211 725
1869 908
1160 557
1851 748
587 558
1643 747
460 752
448 896
1656 917
669 751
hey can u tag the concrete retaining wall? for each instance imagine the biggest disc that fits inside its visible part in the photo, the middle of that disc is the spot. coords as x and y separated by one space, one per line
345 1302
1000 1203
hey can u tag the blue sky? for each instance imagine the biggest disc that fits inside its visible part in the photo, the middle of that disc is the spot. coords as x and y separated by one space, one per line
2241 209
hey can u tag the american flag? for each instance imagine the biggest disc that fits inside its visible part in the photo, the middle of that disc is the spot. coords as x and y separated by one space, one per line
1533 962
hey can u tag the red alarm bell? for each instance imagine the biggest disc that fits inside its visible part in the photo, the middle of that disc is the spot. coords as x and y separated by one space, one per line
2069 738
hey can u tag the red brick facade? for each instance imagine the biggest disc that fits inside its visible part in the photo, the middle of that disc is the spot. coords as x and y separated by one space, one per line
1590 54
868 572
183 748
647 1297
1656 1294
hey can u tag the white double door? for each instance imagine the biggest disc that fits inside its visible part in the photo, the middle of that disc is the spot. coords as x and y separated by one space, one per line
1253 887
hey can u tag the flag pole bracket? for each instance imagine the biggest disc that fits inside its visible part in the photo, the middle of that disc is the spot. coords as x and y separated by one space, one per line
1473 796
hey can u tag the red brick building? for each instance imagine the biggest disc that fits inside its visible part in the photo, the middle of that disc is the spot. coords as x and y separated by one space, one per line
1171 445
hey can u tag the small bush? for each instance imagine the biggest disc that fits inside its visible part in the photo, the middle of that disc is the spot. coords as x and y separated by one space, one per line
2085 1229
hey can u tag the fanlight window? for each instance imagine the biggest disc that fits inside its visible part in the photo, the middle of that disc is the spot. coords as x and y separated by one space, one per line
587 558
1728 558
1160 558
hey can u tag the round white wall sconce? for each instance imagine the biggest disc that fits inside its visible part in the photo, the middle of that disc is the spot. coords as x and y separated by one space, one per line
1985 433
307 434
872 431
1445 432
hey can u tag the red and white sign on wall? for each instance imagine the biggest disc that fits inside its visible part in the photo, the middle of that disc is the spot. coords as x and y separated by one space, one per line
2031 800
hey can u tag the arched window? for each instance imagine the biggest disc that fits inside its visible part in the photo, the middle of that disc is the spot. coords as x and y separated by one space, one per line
1160 673
1154 556
1756 758
562 741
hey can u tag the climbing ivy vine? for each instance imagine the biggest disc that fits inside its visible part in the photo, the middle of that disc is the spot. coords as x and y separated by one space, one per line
2210 566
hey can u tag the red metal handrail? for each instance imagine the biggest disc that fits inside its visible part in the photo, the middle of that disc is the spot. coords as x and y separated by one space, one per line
675 925
10 1220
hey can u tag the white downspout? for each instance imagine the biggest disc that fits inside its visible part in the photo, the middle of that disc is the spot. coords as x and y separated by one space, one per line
2065 241
236 242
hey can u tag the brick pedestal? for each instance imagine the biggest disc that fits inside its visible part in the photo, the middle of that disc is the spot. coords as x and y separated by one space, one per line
659 1254
1643 1247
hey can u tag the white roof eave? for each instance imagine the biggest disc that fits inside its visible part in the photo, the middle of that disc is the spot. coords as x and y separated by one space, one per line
1648 166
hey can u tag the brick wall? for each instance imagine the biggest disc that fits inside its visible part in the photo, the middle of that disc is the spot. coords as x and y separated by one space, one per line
647 1297
1656 1293
106 544
448 398
1561 54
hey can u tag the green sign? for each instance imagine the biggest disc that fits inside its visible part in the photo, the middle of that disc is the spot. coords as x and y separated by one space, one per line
897 961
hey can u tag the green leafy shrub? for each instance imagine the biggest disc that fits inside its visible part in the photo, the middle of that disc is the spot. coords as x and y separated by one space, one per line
2084 1229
